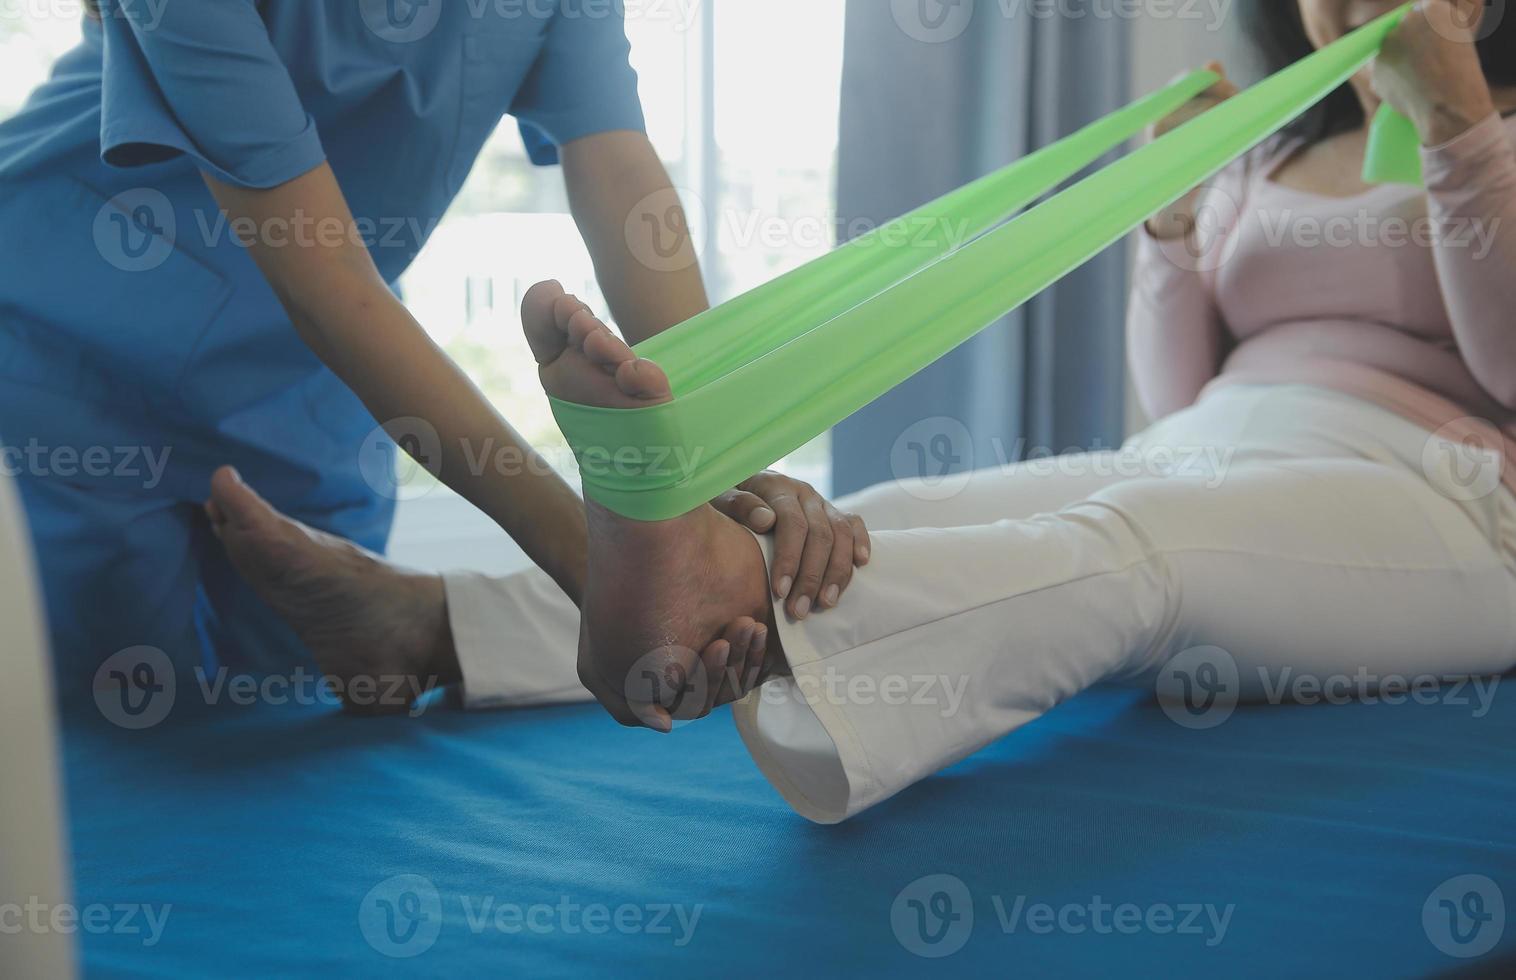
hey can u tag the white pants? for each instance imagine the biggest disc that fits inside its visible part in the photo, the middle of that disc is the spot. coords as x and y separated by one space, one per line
1268 543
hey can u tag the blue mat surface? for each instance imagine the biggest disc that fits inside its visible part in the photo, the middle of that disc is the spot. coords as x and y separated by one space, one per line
294 841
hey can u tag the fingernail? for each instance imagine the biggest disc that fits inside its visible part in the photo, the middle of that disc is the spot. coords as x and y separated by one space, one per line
803 607
760 640
761 517
832 594
863 552
784 586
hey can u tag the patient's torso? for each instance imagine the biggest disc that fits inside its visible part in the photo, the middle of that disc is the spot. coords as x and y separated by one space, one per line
1312 277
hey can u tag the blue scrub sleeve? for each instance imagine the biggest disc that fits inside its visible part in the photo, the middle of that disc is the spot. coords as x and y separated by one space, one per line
202 79
582 82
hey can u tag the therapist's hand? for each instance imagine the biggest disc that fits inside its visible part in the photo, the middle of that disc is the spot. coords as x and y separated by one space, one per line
1429 70
816 546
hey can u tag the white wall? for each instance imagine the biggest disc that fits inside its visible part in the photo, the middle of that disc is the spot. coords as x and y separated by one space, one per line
1168 43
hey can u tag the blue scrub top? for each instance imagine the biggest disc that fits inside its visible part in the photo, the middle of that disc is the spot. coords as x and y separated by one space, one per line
113 257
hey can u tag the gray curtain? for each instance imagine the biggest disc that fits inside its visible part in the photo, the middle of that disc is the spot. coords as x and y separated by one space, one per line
934 94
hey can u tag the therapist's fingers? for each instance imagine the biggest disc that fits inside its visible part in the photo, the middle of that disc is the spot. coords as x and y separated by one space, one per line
815 559
674 684
863 545
757 659
227 486
790 532
747 509
613 701
839 570
725 685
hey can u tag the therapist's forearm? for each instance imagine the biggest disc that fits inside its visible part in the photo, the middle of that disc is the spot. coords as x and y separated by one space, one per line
632 222
384 355
344 311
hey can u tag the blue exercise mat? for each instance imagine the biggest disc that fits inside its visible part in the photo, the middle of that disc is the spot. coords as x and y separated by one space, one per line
1103 840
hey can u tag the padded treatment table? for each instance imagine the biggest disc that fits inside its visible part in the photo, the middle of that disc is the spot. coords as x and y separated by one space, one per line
277 833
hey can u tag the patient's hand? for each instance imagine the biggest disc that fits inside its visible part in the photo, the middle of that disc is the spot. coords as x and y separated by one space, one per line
1178 219
1429 69
816 546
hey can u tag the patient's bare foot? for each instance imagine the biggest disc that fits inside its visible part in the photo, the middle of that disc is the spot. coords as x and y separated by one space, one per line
658 595
360 616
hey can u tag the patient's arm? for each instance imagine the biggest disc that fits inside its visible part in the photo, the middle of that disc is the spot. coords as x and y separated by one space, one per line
1471 197
1174 329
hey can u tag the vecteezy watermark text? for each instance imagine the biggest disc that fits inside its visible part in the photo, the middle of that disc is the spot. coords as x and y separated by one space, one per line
144 463
933 917
39 917
1199 688
394 456
937 459
403 916
137 688
940 21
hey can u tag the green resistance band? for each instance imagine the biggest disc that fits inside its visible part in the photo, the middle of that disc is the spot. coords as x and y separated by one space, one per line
756 378
1393 154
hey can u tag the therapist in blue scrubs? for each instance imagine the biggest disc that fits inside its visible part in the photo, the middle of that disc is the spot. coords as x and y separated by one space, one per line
202 216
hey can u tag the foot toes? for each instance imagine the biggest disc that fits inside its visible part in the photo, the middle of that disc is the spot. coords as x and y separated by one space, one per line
588 357
604 349
565 309
643 379
539 322
582 326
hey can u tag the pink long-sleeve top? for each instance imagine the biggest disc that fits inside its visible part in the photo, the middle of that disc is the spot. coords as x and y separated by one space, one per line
1403 297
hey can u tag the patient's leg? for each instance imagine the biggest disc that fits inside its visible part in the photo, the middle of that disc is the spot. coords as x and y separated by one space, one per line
359 615
1296 570
673 590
